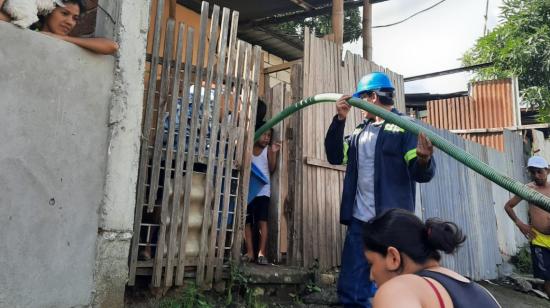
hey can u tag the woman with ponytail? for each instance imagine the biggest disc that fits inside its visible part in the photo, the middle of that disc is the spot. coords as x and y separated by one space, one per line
404 255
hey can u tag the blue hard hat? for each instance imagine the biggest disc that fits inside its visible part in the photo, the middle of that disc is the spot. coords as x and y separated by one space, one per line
371 82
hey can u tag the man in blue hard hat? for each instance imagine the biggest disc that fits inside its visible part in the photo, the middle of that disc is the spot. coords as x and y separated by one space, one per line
383 163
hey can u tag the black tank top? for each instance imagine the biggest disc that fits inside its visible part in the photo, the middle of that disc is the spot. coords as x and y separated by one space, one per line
463 294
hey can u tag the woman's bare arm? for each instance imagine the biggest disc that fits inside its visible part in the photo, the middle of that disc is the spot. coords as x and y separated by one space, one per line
94 44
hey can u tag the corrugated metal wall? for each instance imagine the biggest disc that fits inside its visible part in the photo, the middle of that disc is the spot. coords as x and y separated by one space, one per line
491 105
475 204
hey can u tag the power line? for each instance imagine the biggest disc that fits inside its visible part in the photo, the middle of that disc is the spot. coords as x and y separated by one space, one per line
401 21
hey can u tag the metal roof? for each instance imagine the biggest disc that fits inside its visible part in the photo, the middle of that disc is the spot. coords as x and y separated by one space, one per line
257 17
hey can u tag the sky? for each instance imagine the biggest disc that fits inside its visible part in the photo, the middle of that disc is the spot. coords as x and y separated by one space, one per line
429 42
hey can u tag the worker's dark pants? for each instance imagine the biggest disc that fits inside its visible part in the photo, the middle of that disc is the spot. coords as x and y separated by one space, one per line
354 286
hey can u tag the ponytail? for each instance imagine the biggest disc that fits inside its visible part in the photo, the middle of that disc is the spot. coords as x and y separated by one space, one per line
443 235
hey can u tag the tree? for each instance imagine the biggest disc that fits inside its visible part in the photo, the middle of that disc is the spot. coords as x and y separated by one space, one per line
519 46
323 25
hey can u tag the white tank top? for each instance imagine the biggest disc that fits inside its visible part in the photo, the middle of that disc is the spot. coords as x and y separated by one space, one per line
261 162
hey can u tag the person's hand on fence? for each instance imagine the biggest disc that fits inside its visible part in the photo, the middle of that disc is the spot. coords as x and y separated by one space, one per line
526 230
275 147
342 107
424 149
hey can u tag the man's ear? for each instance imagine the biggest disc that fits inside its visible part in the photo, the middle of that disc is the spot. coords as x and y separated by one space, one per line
393 259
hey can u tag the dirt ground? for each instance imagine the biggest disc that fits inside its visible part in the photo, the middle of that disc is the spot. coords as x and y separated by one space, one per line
510 298
506 296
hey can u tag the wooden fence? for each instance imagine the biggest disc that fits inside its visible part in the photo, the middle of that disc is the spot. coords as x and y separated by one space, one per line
312 203
196 150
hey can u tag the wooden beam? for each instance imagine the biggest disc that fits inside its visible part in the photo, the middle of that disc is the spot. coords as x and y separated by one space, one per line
367 30
338 21
325 164
280 67
498 129
172 9
303 4
448 72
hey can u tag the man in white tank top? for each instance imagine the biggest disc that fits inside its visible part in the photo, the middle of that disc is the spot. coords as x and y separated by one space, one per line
264 156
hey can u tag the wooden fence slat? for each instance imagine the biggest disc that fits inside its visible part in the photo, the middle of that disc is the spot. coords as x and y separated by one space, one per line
329 206
306 249
232 68
249 140
212 154
231 94
164 85
243 63
243 86
226 202
213 37
273 244
317 173
325 75
308 190
180 161
191 158
210 237
161 114
159 131
166 205
142 179
294 184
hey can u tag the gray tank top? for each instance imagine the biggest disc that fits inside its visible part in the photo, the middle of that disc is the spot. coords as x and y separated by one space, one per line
463 294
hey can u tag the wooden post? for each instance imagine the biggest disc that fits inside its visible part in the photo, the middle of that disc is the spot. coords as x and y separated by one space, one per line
338 21
172 9
294 207
274 225
367 30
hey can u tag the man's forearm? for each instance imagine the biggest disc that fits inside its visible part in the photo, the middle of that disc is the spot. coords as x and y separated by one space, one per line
510 211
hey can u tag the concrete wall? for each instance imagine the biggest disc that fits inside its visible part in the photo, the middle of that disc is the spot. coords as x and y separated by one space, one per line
125 115
54 106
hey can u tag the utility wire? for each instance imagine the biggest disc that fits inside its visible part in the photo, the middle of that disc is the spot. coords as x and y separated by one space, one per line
403 20
107 13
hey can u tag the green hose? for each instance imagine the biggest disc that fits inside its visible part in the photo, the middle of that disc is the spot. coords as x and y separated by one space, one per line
452 150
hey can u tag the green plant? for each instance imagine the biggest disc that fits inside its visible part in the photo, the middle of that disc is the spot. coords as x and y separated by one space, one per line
191 297
322 24
239 282
522 260
519 46
313 288
295 298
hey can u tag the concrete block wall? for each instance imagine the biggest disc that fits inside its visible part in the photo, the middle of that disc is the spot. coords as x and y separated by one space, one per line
116 215
278 77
